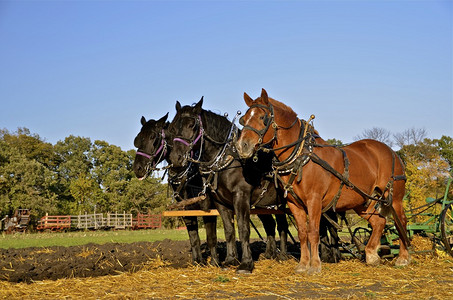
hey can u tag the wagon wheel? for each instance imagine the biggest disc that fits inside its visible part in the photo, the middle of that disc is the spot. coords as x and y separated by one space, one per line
446 228
360 238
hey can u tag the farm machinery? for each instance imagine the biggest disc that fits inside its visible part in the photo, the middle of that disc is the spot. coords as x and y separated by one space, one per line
18 222
433 220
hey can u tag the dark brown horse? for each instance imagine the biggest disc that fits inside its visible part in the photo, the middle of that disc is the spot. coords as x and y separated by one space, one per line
366 176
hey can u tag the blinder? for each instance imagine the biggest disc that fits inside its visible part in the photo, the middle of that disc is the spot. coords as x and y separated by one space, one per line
241 120
268 120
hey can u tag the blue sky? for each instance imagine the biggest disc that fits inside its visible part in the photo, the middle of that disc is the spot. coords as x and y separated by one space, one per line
93 68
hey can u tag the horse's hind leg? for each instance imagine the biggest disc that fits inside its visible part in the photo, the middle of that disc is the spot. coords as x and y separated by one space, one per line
377 223
271 245
398 194
282 228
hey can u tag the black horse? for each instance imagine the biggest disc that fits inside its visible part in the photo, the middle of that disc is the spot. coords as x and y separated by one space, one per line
152 149
206 138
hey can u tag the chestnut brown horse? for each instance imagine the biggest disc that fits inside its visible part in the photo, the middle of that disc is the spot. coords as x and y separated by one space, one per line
366 176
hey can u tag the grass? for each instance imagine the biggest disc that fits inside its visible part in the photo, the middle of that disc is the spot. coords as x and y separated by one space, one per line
76 238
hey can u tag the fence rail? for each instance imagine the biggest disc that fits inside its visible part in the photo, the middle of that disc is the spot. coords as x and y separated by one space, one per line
98 221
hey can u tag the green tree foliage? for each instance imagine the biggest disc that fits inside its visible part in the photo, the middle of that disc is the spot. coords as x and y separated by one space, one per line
445 147
72 176
335 142
426 170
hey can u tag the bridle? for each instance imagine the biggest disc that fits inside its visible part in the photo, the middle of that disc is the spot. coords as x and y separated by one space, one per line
268 121
161 152
194 141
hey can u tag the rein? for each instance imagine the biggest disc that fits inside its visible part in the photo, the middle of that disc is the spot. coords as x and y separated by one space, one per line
298 159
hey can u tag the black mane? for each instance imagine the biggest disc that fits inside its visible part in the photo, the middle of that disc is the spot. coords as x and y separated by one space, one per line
215 125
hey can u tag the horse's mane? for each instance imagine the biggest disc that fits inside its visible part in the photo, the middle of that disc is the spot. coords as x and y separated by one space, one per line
286 111
216 126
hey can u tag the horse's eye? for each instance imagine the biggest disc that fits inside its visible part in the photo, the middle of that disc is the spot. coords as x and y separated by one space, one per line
241 121
191 124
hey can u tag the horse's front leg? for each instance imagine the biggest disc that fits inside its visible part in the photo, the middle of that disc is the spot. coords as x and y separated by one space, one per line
242 209
300 215
192 229
230 235
211 238
314 216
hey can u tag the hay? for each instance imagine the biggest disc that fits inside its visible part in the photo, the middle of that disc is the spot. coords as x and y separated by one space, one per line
429 276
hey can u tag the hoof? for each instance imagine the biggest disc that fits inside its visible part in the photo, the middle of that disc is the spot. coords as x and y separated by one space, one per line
245 268
301 268
401 262
312 270
283 257
214 263
269 255
230 262
238 271
373 260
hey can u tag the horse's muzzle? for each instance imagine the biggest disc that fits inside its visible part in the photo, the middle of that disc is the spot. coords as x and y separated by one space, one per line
245 150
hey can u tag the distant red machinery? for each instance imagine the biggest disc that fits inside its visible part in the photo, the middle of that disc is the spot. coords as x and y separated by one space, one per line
54 223
18 222
147 221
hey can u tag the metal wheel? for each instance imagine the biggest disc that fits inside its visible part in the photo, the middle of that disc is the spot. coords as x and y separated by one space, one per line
360 238
446 228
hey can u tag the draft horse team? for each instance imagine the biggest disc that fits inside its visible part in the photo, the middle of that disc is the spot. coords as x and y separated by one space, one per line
276 160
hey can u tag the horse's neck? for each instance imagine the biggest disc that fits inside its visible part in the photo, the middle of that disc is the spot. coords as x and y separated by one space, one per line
210 149
287 136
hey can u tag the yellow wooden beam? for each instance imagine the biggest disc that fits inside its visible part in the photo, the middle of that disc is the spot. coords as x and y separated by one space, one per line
214 212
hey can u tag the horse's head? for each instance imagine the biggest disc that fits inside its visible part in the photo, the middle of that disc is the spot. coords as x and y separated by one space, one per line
259 125
151 146
186 130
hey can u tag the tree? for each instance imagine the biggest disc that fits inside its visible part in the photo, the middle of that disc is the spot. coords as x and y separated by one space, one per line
445 147
412 136
26 184
335 142
376 133
426 172
74 162
75 175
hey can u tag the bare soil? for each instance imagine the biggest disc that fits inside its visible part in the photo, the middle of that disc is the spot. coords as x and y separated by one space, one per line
33 264
163 270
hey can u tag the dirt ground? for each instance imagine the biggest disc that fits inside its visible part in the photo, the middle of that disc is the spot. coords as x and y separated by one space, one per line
32 264
162 270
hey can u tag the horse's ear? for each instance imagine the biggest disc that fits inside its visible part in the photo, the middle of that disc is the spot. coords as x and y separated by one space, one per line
264 96
163 119
248 100
197 108
143 120
178 106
